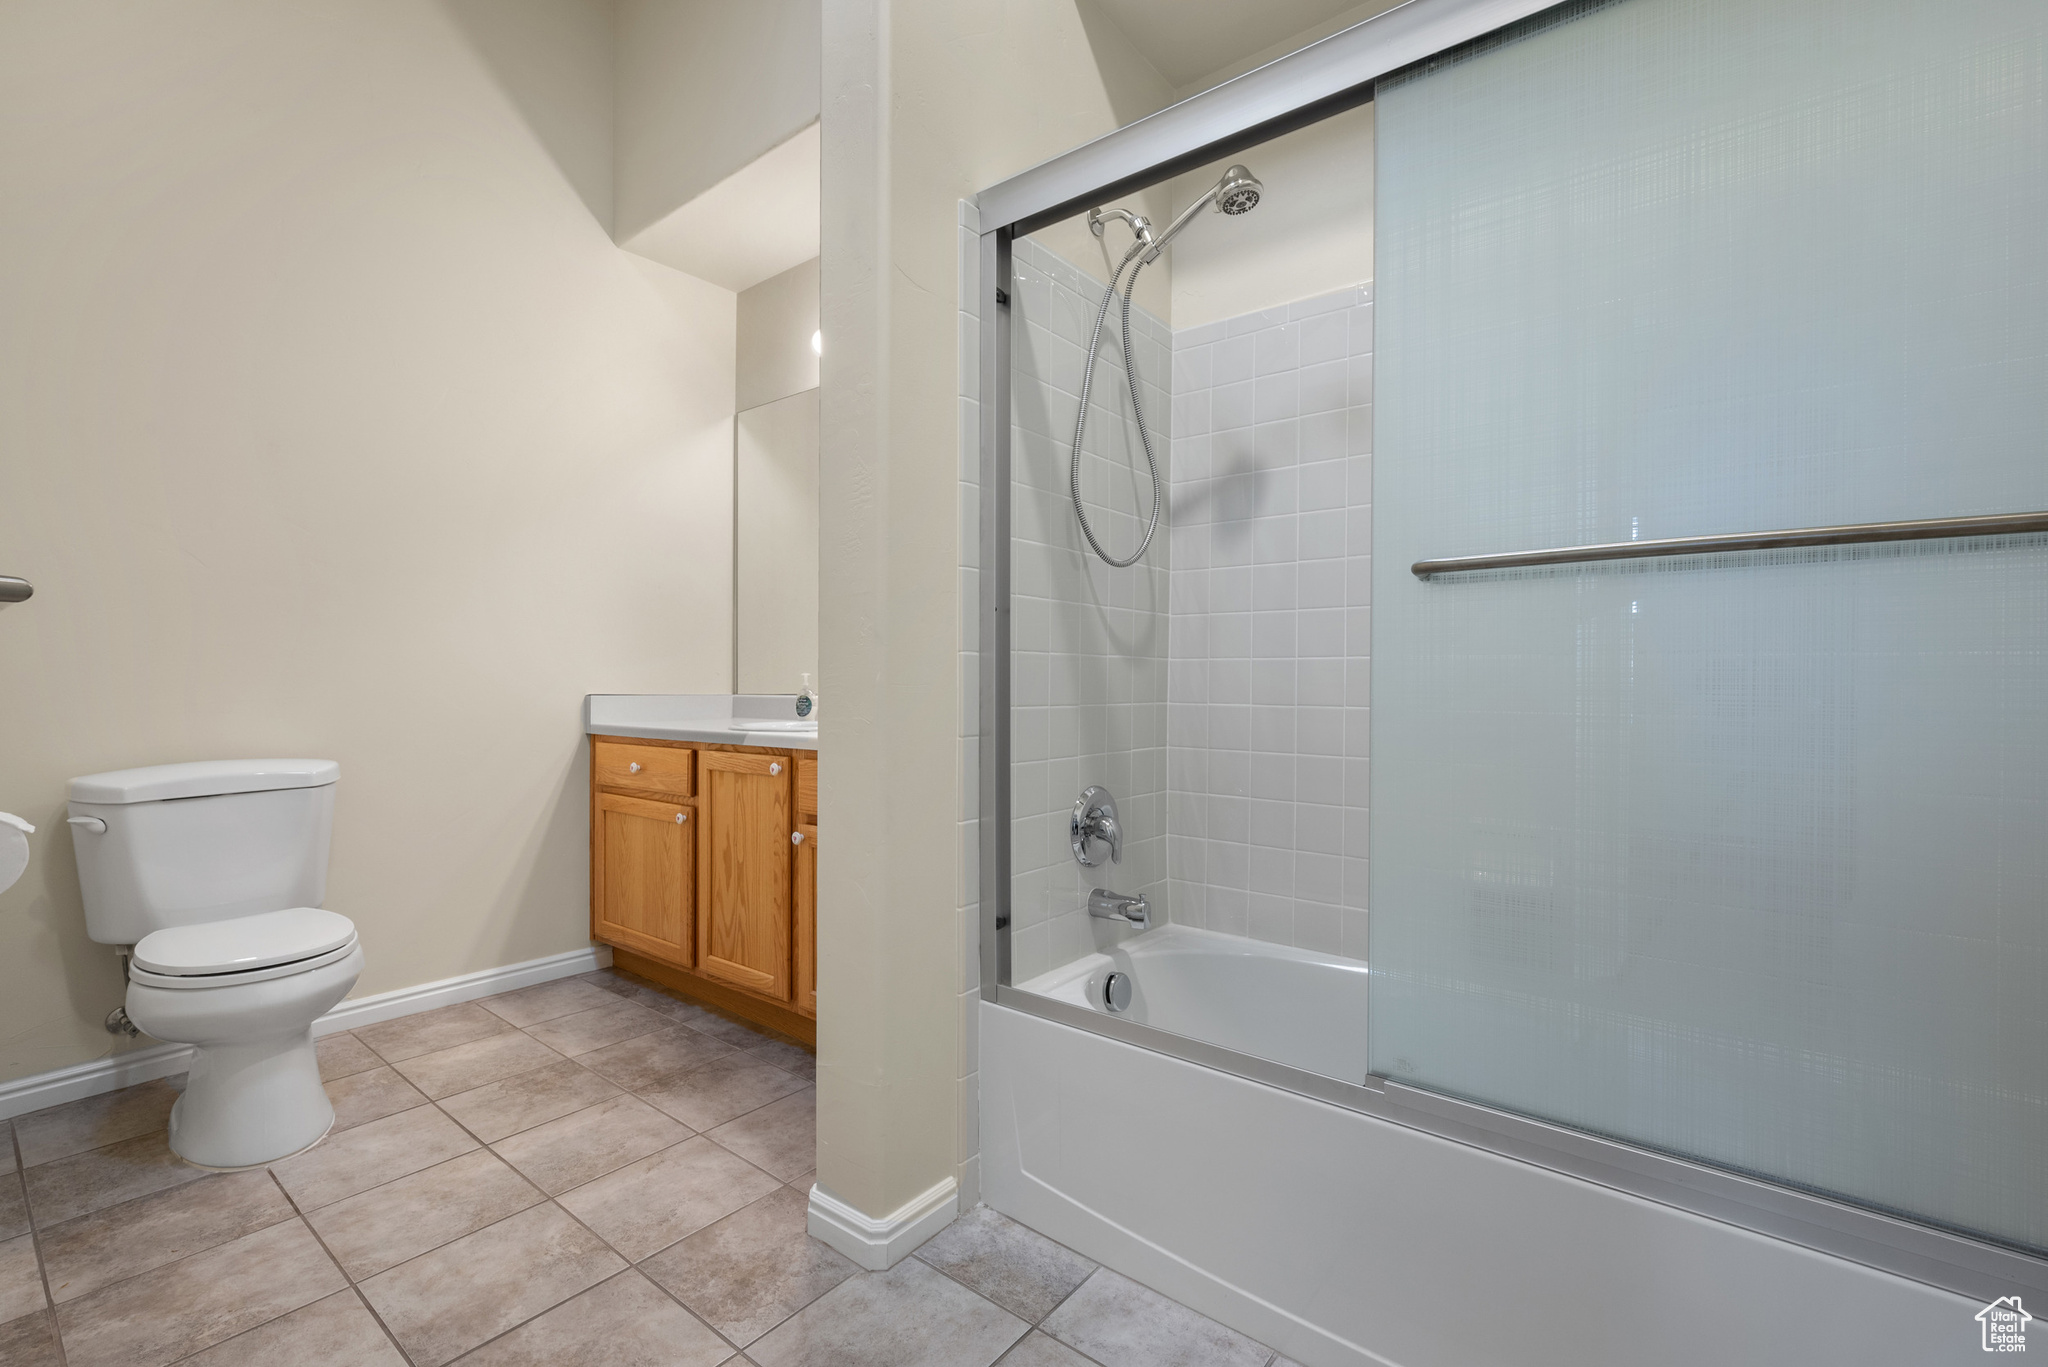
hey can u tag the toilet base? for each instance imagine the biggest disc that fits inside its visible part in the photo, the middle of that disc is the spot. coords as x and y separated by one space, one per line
247 1105
253 1094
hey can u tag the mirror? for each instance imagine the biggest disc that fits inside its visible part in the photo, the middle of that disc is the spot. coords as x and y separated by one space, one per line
775 545
775 484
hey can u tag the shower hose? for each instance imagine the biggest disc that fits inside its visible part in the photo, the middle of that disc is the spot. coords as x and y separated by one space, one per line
1137 410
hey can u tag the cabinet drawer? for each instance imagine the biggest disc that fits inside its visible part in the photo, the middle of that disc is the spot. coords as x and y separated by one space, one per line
643 768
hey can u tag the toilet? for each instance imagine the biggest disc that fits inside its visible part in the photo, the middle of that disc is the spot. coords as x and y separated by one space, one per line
209 877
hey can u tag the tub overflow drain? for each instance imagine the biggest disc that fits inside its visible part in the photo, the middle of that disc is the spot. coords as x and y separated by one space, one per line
1116 991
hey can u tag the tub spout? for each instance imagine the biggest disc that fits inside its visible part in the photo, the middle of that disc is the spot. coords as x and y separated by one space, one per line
1114 906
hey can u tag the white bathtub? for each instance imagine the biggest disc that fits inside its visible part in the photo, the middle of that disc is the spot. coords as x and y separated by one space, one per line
1293 1006
1345 1240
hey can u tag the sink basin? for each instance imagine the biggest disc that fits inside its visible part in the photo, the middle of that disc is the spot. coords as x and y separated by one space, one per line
806 728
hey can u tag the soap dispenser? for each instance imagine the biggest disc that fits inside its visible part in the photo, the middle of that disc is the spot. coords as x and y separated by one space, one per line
806 699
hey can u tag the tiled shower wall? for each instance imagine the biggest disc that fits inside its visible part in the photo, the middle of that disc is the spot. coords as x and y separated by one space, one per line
1270 651
1089 642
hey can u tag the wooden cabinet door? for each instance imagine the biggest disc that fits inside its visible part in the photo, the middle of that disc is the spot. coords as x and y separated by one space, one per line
743 901
807 920
645 862
807 884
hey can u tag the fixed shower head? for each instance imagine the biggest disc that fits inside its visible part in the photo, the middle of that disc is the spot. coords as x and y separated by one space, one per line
1238 191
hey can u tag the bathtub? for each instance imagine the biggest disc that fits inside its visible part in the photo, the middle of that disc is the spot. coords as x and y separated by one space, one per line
1344 1239
1292 1006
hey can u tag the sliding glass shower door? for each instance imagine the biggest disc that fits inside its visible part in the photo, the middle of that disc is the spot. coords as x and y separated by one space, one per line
1742 856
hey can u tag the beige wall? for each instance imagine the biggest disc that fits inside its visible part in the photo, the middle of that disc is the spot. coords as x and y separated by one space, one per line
705 86
331 423
926 102
777 319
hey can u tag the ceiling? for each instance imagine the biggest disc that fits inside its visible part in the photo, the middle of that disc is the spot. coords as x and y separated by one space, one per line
753 225
1186 42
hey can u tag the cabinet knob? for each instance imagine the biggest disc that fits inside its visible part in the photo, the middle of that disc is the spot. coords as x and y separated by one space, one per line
681 817
774 767
796 837
634 767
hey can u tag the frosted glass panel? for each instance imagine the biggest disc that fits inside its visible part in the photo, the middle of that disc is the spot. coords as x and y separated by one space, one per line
1742 857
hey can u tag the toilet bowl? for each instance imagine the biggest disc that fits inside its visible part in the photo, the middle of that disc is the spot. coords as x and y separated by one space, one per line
245 993
211 876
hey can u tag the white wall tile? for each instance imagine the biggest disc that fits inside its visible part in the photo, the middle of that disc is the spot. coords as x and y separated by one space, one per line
1271 640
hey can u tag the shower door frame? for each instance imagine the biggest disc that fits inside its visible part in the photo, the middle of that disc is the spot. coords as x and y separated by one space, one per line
1300 89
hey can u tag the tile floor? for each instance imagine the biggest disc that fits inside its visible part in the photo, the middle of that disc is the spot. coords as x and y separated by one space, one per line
585 1172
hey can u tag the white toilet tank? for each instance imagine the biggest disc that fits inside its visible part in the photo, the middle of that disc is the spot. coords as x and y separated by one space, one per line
209 841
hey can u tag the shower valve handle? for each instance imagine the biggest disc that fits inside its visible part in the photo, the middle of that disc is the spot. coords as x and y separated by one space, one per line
1095 819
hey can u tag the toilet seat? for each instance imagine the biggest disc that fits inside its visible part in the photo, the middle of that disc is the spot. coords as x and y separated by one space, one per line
243 949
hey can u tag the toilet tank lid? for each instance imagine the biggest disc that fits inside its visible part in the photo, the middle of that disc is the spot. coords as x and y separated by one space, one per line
202 778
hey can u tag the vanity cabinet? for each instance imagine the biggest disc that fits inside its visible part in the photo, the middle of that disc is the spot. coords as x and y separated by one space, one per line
703 873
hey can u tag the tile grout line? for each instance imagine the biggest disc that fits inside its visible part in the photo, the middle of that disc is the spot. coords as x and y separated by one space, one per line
35 1237
553 1199
346 1277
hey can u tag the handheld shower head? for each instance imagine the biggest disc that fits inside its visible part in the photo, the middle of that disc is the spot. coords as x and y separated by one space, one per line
1237 193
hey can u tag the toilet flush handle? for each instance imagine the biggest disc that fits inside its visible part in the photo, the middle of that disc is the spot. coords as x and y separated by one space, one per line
86 823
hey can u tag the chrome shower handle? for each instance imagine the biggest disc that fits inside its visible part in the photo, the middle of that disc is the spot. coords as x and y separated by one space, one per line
1095 818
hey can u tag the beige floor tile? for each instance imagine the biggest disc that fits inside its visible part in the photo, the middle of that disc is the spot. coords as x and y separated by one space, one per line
21 1278
753 1269
597 977
780 1138
372 1095
478 1063
95 1122
790 1058
1017 1268
723 1090
430 1031
589 1143
8 1161
13 1205
336 1332
1122 1324
648 1205
30 1341
532 1005
650 1060
442 1304
342 1054
706 1021
385 1226
371 1155
173 1311
909 1316
1037 1350
92 1251
624 1322
519 1103
80 1183
594 1029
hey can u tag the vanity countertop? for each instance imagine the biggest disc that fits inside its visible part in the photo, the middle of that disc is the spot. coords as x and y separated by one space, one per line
713 718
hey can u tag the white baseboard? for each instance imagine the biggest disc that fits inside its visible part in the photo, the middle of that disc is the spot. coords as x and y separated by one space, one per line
489 982
878 1245
110 1074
